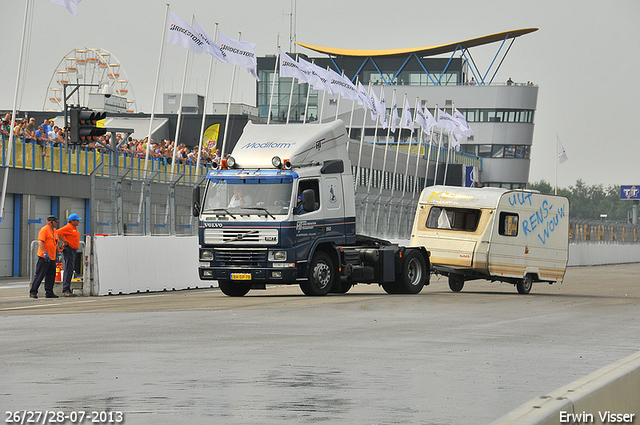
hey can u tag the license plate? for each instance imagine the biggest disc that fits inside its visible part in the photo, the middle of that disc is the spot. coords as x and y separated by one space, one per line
240 276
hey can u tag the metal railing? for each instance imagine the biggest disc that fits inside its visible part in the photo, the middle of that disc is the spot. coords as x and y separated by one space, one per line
594 231
28 155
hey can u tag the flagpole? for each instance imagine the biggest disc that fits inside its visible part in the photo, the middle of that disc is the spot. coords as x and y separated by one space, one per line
338 102
435 176
13 112
155 90
384 161
291 93
364 120
373 152
446 164
306 109
226 122
184 80
426 172
204 112
446 167
395 165
406 169
324 94
353 108
557 160
375 137
273 83
415 175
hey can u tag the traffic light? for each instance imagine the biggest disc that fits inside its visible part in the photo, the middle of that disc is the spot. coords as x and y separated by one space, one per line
83 125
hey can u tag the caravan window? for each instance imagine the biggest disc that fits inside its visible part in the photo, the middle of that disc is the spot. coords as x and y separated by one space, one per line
508 224
453 219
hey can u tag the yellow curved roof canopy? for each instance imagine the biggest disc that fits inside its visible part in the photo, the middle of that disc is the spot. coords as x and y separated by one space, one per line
421 51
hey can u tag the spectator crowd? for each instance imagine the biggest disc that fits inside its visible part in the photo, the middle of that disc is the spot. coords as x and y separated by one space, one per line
49 135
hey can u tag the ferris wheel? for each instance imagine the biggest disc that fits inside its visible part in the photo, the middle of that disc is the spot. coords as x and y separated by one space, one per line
88 66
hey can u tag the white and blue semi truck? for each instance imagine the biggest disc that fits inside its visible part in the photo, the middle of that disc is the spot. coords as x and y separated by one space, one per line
282 211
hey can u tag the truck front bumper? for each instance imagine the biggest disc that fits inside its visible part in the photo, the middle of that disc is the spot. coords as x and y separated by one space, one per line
255 274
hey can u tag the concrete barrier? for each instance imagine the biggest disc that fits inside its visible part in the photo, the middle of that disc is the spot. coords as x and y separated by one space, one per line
130 264
603 253
608 395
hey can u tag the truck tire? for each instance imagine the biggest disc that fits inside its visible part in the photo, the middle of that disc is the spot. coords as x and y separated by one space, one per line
524 285
343 288
456 282
391 288
322 272
414 273
236 289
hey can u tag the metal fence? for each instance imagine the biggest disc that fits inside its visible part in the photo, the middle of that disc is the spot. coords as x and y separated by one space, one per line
594 231
124 202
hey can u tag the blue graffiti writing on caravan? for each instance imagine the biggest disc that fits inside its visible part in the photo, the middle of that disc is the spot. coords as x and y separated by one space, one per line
520 198
544 221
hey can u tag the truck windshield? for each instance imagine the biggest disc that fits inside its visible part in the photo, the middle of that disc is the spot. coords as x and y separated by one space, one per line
251 196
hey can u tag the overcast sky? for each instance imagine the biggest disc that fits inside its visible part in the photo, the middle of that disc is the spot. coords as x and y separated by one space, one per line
584 57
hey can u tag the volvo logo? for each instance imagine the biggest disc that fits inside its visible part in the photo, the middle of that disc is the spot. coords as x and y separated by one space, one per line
215 225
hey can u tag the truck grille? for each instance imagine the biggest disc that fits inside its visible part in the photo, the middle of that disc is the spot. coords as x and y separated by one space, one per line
241 257
241 236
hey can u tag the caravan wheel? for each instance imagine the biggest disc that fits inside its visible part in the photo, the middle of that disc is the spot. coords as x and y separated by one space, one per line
524 285
456 282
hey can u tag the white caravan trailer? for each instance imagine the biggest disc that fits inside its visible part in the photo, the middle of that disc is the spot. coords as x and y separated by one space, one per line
514 236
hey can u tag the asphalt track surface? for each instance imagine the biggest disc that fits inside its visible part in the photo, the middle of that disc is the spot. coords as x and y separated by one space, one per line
279 357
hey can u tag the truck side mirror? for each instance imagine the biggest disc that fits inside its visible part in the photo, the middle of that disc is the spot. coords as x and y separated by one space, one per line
309 200
195 196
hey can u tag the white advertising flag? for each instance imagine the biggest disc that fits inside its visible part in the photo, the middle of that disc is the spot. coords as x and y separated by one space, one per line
394 113
407 120
181 33
375 106
71 5
424 119
562 155
446 121
455 140
210 46
291 68
382 111
316 76
364 99
463 125
241 53
342 85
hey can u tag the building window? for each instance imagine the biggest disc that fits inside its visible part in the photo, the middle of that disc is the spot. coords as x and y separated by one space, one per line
498 115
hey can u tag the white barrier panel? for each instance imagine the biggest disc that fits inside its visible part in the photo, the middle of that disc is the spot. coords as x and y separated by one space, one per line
602 253
608 395
130 264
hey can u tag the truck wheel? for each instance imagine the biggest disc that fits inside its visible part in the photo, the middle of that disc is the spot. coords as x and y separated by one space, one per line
236 289
414 273
344 288
391 288
524 285
321 275
456 282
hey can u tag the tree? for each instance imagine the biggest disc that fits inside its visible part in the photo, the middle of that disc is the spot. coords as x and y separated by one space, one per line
589 202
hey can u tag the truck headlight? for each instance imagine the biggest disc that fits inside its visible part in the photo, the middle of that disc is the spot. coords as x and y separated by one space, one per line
206 255
277 256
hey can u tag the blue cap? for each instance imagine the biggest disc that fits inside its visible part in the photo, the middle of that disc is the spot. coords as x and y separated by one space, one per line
74 217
